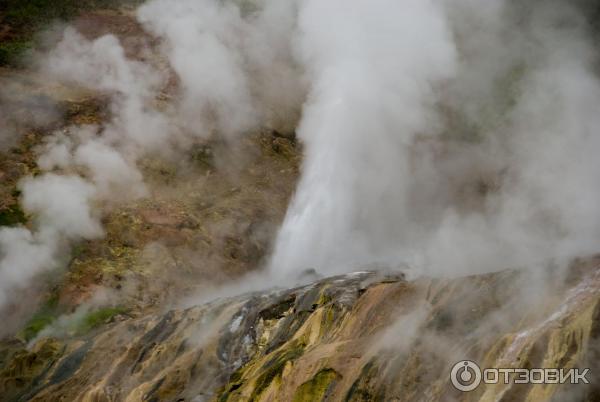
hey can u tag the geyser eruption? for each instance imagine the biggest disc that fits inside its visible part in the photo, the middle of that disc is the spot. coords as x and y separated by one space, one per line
372 84
455 137
447 137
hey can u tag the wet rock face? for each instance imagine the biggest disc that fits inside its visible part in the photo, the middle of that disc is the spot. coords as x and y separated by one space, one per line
358 337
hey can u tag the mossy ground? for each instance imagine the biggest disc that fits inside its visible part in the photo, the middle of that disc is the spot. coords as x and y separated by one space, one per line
12 216
209 214
267 372
274 368
50 311
98 317
25 18
44 317
317 388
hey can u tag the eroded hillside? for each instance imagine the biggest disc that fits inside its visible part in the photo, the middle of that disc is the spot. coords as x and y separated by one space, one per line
154 297
209 217
358 337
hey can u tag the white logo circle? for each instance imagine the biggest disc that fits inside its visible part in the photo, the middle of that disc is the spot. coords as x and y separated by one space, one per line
465 375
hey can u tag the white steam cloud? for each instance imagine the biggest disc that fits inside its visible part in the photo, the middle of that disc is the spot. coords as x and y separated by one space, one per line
212 75
203 43
61 203
454 136
373 78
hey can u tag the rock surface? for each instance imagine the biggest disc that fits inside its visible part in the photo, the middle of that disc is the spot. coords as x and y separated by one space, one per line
359 337
366 336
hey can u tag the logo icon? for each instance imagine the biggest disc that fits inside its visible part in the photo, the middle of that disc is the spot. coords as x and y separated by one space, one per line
465 375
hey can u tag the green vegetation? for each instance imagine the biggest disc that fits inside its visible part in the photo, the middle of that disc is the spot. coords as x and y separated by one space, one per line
274 368
359 391
44 317
36 324
12 216
269 372
317 388
25 18
50 311
10 50
98 317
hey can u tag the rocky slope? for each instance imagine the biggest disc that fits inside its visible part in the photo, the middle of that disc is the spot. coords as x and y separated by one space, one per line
209 216
359 337
208 220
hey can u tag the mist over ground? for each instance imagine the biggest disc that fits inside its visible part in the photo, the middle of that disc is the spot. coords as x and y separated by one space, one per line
452 137
297 199
440 137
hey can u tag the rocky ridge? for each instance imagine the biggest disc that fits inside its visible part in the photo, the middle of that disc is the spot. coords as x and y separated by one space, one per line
357 337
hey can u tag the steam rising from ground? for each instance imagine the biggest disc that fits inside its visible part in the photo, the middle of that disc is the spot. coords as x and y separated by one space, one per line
372 93
452 136
210 76
455 137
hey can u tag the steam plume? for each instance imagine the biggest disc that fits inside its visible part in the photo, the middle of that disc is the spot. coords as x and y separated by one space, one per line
455 137
452 136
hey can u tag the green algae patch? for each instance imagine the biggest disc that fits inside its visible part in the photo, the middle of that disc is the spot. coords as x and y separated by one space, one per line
274 368
329 320
235 382
318 387
360 390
